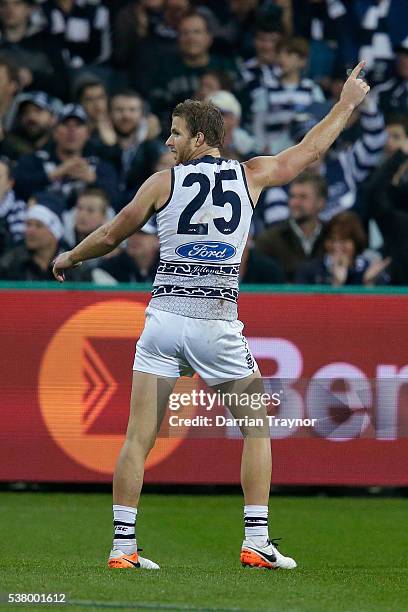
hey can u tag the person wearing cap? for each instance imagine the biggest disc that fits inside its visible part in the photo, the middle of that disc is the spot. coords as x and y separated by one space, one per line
64 167
138 263
32 119
38 55
31 261
238 143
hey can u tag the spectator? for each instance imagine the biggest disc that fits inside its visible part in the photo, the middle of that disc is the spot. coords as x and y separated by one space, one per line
93 97
369 30
238 144
139 27
146 34
397 134
396 131
344 171
165 161
63 168
92 209
136 151
387 204
212 81
138 263
311 21
179 78
257 268
38 55
135 50
81 28
9 85
283 97
343 261
32 121
267 38
166 27
301 237
239 25
32 261
257 72
393 94
12 211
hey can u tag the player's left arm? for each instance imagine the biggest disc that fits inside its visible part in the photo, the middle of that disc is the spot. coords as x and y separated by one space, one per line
284 167
107 237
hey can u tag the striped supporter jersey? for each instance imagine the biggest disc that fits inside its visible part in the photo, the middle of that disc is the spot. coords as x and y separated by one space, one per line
276 106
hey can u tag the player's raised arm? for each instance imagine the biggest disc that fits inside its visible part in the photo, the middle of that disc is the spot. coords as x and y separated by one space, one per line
280 169
151 195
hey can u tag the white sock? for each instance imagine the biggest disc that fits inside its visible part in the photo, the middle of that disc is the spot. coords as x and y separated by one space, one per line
124 522
256 524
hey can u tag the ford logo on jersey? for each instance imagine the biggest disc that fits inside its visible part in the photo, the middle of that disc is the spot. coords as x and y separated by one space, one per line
206 251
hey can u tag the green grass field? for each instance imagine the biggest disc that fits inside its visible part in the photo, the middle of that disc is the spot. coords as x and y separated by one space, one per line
351 553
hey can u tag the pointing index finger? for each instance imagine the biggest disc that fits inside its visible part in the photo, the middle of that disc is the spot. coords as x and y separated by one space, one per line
357 69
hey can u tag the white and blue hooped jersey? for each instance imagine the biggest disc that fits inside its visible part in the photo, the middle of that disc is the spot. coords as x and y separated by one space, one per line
203 229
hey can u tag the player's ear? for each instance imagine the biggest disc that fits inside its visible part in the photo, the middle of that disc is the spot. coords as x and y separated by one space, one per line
199 139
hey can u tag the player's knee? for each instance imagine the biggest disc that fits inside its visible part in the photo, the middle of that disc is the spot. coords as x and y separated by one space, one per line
143 440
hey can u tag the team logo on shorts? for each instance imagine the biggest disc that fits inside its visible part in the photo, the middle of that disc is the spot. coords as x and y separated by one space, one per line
206 251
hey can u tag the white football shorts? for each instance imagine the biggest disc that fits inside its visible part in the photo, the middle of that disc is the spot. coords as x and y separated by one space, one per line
173 345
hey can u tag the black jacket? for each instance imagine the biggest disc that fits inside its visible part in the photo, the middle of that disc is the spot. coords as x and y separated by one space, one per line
282 244
387 204
124 269
261 270
140 167
31 177
18 264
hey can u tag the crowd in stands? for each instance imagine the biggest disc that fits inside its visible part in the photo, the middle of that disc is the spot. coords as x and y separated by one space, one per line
87 88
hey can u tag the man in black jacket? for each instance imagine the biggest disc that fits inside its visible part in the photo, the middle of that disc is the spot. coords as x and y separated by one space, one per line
387 203
64 168
137 150
301 237
138 263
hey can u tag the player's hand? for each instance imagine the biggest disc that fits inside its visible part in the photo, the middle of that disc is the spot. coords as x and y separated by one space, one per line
61 263
354 89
